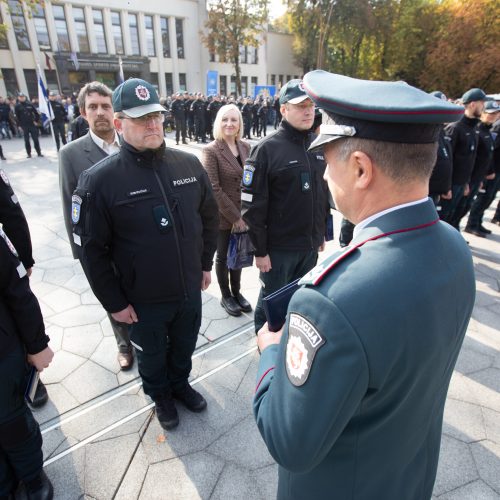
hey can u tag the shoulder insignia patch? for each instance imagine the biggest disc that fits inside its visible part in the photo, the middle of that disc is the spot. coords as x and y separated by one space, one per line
316 274
76 206
304 341
248 175
4 177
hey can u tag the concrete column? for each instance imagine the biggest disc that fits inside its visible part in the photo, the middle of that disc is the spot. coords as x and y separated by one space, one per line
35 48
162 84
73 41
173 52
127 45
89 21
51 26
108 30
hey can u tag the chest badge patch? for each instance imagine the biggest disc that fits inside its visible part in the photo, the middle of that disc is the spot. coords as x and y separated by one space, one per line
304 341
76 206
248 175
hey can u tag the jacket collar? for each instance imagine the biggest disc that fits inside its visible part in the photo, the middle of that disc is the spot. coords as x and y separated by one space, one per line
228 155
295 135
146 158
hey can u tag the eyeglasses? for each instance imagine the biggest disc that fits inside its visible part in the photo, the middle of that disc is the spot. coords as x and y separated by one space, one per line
156 118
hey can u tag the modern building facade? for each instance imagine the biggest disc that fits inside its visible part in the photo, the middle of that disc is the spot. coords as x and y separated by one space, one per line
74 42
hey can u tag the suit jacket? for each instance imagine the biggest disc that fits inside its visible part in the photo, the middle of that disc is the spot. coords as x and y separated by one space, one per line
225 174
74 158
350 404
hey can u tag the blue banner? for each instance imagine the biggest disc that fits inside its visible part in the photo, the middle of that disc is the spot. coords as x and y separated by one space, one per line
212 80
264 90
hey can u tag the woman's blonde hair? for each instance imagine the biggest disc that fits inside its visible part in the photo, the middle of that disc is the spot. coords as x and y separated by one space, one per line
217 130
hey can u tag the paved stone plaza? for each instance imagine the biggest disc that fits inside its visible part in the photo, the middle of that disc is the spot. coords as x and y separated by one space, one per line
101 439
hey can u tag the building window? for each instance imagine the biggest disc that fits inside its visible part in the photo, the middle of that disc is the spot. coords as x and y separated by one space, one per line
169 83
3 39
51 77
244 85
61 28
106 77
232 89
150 36
40 23
117 32
180 38
243 54
10 81
19 23
212 56
81 29
223 84
182 82
288 78
31 82
253 55
253 84
273 79
134 34
280 80
153 80
164 37
99 31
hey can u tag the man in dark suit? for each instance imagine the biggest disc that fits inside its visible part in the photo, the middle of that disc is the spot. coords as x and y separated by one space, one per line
95 106
351 392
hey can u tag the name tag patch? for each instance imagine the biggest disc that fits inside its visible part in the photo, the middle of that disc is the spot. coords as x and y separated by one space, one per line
181 182
138 192
304 341
248 175
76 207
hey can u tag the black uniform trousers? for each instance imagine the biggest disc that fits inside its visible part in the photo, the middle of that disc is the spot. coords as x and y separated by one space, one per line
449 207
286 266
483 201
33 131
59 133
247 126
465 203
164 339
180 129
21 455
225 275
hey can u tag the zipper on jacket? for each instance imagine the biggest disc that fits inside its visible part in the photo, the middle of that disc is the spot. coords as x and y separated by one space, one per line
312 192
179 255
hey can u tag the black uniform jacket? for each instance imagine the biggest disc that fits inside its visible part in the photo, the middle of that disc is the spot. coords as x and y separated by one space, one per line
20 315
464 146
148 224
284 196
440 181
484 157
26 114
14 222
60 113
178 109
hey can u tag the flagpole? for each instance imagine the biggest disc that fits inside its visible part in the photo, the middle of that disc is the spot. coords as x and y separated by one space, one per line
47 102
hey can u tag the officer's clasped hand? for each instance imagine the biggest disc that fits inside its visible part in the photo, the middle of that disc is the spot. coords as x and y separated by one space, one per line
265 337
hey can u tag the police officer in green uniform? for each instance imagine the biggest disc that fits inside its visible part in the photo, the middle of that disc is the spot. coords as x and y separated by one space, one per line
147 223
22 339
351 392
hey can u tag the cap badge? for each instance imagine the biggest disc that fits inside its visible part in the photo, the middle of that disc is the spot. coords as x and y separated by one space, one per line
301 86
142 93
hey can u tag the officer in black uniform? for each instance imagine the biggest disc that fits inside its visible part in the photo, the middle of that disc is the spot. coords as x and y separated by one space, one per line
22 337
199 108
147 221
60 119
212 110
15 225
189 99
27 117
178 109
246 112
284 197
464 140
484 170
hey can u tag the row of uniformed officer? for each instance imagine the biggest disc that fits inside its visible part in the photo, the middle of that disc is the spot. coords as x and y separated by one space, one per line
147 221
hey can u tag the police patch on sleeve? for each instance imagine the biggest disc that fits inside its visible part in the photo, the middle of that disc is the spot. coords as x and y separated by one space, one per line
248 175
304 341
76 206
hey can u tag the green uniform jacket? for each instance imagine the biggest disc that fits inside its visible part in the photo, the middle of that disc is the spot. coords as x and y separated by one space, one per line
350 404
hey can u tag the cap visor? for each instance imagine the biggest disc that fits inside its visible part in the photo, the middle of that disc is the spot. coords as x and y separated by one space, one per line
298 100
143 110
323 139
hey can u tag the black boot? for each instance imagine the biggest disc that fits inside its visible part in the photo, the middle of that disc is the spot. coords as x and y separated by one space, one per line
166 412
231 306
40 488
227 301
235 277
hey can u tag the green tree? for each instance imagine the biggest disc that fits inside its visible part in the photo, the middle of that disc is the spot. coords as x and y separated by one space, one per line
232 24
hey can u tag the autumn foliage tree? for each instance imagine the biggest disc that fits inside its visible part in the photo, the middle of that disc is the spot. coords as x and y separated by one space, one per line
232 24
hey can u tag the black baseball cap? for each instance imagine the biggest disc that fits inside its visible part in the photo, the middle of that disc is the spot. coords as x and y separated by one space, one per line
293 92
474 95
136 97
